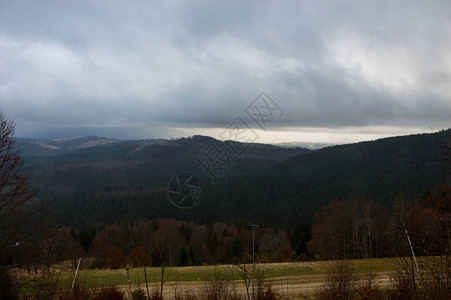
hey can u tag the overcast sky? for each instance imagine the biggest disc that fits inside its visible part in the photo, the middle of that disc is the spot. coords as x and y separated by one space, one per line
341 71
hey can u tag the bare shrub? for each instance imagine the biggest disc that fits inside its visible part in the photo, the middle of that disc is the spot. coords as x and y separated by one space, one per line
109 293
42 287
217 287
186 294
216 290
435 277
138 294
401 287
183 293
265 290
156 295
49 286
367 289
341 282
432 282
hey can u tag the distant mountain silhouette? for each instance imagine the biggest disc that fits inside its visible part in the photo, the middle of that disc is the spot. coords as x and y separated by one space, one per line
49 147
94 181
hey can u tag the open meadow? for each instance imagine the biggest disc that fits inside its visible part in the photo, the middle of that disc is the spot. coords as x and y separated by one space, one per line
290 280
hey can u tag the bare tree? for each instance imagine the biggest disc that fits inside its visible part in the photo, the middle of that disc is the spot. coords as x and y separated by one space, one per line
163 253
15 198
245 272
15 194
142 239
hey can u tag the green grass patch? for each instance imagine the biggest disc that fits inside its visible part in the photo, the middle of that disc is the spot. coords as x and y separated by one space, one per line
304 270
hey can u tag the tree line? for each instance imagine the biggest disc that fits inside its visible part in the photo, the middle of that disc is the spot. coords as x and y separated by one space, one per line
351 229
359 228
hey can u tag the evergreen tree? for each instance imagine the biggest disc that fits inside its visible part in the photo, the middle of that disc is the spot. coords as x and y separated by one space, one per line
183 257
212 243
300 235
237 248
192 257
86 236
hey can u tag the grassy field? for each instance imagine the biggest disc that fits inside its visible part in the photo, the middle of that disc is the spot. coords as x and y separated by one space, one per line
292 280
304 271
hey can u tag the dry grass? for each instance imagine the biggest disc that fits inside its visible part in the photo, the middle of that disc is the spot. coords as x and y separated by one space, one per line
295 280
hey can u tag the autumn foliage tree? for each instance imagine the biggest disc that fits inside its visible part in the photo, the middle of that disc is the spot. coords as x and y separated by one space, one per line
139 257
354 228
115 258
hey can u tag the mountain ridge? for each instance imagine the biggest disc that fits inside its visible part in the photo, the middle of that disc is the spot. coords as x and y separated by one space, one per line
105 183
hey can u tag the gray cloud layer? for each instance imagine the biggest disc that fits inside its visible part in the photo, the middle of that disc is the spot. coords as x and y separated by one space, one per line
140 68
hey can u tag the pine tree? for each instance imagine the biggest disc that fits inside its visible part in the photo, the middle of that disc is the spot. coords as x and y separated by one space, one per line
192 257
183 257
237 248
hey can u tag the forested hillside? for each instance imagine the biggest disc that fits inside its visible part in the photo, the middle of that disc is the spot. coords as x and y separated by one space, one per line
296 188
117 181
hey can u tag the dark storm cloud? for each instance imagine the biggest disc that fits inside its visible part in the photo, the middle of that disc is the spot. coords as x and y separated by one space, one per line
140 68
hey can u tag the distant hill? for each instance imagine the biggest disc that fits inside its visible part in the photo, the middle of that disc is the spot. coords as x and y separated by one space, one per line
113 181
296 188
50 147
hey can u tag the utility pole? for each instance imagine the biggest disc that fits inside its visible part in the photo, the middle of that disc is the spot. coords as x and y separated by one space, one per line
253 255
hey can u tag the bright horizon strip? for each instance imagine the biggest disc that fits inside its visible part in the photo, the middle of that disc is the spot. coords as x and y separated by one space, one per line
317 135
